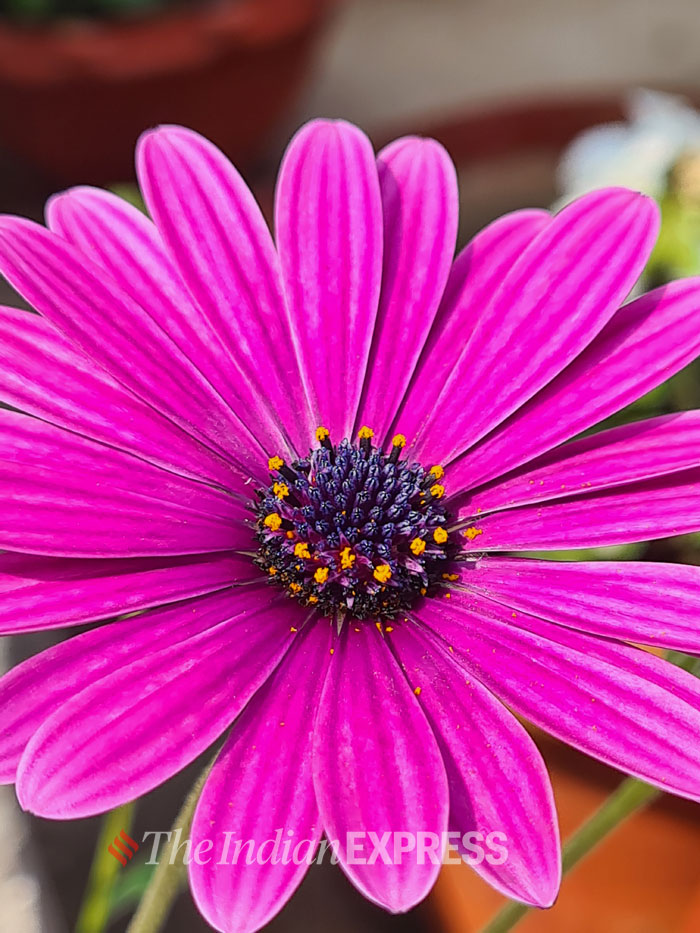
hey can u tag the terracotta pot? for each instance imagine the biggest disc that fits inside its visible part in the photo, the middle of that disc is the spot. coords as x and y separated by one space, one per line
75 96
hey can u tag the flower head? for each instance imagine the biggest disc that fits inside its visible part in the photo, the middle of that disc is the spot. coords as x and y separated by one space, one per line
304 464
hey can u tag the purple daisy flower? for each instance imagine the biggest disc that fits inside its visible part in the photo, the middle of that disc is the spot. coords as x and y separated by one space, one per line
299 463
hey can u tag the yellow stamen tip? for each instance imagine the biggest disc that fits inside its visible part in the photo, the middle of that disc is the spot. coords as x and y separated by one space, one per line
437 471
272 571
272 521
440 535
280 490
389 628
365 432
417 546
418 691
290 534
472 533
382 573
301 549
295 587
398 440
275 463
437 491
321 574
313 599
322 433
347 558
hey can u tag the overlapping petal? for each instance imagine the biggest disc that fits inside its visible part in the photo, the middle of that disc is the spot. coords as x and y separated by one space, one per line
218 239
265 771
498 781
560 293
156 709
63 495
44 593
475 275
648 603
378 769
647 341
622 705
328 220
420 203
656 508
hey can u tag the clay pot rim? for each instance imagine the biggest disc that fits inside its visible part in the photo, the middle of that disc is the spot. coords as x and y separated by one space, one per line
166 40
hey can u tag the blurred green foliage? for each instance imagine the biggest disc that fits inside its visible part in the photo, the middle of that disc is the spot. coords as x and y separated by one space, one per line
32 12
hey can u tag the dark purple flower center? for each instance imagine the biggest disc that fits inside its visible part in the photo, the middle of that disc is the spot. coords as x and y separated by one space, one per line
352 531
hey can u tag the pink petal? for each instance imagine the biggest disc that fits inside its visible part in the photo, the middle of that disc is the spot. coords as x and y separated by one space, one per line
622 705
377 768
655 508
218 238
498 781
156 710
328 217
421 203
559 294
63 495
46 375
99 316
616 457
39 593
475 275
261 789
647 603
33 690
646 342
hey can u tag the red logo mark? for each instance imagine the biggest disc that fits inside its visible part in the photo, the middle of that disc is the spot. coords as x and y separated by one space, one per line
124 852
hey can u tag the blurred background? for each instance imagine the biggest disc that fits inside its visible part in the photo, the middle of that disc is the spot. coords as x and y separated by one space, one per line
536 102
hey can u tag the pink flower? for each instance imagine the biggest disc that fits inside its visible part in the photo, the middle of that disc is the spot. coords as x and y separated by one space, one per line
344 602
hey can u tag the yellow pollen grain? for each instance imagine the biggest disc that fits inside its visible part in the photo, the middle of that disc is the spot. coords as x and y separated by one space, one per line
292 629
275 463
439 536
322 433
295 587
321 574
365 433
290 534
379 626
301 549
389 628
347 558
272 521
280 490
272 571
437 491
418 691
313 599
398 440
417 546
472 533
332 650
437 471
382 573
450 576
423 591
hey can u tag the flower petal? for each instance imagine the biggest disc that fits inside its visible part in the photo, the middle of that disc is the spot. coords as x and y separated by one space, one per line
219 240
558 295
498 781
63 495
38 593
655 508
328 218
622 705
139 724
33 690
377 769
421 203
626 454
99 316
647 603
646 342
261 789
46 375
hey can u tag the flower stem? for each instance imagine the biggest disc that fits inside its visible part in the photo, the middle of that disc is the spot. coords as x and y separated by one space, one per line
630 797
94 911
170 873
